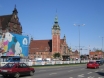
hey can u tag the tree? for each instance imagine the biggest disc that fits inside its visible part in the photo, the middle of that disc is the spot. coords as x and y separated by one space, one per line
98 50
56 55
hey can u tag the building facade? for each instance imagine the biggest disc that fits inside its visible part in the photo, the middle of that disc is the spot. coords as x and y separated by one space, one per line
47 48
96 55
10 23
38 48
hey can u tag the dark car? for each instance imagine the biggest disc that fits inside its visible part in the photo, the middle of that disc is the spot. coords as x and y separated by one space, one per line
16 70
99 62
92 64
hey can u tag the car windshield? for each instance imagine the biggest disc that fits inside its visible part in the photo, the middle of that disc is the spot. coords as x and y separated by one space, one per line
9 65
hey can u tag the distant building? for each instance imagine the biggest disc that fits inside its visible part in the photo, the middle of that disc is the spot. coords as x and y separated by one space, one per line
74 55
10 23
96 55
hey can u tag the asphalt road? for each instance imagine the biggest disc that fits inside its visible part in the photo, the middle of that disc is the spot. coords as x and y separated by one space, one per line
68 72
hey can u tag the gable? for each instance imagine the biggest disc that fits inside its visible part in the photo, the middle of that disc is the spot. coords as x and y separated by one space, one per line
4 20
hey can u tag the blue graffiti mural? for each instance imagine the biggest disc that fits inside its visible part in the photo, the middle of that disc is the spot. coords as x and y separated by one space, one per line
14 45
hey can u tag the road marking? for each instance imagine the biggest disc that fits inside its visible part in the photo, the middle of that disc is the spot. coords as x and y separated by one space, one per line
100 77
89 73
26 77
59 68
42 70
70 70
52 73
90 77
101 69
82 68
81 75
70 77
96 71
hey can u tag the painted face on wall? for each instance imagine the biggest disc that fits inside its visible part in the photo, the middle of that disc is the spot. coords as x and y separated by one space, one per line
8 36
18 49
25 42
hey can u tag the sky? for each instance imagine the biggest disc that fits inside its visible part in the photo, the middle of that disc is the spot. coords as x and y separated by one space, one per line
37 18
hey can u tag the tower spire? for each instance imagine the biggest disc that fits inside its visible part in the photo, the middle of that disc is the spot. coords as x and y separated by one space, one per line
56 18
15 10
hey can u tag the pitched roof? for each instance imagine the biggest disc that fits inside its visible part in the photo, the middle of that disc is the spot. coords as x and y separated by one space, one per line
96 53
5 19
42 45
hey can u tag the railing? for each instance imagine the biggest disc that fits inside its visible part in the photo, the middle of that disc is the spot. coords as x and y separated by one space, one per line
50 62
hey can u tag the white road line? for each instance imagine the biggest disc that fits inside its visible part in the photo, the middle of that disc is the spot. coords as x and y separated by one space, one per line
89 73
100 77
96 71
82 75
70 77
42 70
59 68
70 70
26 77
82 68
90 77
101 69
52 73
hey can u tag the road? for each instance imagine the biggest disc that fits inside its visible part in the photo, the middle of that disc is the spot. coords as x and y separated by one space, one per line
68 72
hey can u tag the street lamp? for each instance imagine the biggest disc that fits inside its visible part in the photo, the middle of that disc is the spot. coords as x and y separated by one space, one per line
79 34
102 43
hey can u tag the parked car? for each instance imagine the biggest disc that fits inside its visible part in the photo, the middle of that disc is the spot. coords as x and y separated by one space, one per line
99 62
16 70
92 64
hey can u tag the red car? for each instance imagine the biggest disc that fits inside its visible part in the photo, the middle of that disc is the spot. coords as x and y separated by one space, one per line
16 70
93 64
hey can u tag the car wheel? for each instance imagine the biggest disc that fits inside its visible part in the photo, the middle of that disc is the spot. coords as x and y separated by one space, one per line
4 76
17 75
31 73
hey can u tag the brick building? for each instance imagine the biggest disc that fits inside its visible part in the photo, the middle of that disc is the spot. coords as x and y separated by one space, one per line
46 48
74 55
10 23
38 48
96 55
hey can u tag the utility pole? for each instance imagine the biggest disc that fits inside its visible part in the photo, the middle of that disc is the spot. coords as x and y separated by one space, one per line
79 34
102 43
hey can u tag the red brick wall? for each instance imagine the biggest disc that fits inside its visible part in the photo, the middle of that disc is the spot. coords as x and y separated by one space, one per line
55 43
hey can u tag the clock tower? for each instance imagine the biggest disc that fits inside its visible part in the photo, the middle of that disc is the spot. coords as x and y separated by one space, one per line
55 37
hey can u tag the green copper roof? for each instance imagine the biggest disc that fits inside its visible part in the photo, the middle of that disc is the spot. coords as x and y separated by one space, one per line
56 20
56 26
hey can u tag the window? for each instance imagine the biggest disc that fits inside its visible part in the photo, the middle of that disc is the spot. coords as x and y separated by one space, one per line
9 65
20 66
24 65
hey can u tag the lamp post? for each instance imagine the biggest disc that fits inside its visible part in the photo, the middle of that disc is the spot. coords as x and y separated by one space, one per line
79 34
102 43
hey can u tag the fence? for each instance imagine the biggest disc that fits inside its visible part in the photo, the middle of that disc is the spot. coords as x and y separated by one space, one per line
50 62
